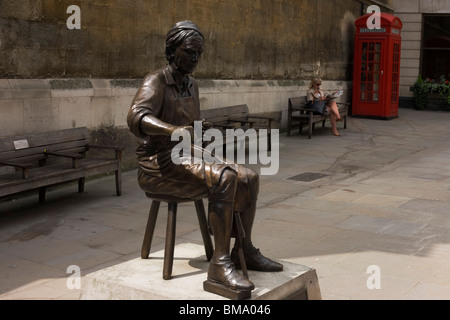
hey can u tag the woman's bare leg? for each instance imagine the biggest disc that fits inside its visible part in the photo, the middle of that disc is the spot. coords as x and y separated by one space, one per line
334 117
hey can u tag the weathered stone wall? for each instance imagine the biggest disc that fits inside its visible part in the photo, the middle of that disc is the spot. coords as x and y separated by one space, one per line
258 39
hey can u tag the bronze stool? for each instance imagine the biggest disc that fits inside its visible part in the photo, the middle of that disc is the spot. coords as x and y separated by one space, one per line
238 231
171 229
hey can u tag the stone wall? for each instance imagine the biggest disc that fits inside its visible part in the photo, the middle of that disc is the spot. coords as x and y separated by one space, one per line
260 39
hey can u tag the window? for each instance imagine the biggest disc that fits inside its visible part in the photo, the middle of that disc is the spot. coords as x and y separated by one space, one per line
436 47
395 73
370 71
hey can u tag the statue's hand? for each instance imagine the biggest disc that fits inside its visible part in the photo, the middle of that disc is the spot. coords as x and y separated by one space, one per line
207 125
187 132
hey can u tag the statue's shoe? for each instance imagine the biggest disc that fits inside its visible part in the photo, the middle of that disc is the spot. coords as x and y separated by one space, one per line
225 273
254 260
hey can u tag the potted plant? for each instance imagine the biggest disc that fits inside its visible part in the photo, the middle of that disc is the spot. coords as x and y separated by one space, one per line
429 90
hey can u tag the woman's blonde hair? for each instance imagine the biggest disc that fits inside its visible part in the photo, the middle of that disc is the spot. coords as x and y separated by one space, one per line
315 80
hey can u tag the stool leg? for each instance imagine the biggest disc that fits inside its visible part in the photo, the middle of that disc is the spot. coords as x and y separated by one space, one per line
170 240
201 214
239 235
145 251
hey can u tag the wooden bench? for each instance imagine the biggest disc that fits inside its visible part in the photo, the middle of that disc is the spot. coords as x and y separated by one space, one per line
234 117
300 114
39 160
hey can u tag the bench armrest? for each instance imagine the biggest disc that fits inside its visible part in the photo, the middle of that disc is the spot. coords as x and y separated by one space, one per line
251 116
24 167
118 150
64 155
298 108
221 125
270 120
74 156
99 146
243 122
303 110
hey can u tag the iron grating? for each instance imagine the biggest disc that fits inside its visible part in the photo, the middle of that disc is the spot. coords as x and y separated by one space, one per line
308 177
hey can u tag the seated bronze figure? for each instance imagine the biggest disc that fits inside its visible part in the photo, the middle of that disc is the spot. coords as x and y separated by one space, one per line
168 100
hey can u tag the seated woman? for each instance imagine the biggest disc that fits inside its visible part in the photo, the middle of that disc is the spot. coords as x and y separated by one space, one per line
316 96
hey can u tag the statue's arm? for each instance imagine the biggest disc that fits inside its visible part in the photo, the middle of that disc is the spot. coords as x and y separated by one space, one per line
143 117
150 125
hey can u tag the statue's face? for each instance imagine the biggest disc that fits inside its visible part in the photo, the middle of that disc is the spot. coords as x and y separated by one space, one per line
188 54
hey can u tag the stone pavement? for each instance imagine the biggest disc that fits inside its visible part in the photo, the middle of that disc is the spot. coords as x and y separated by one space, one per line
374 226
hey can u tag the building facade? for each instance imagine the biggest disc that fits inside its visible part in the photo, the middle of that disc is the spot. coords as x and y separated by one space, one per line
425 42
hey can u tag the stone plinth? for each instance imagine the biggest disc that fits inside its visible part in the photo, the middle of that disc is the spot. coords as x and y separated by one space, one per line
140 279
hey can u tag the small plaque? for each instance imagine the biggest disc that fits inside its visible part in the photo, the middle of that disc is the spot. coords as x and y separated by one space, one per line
21 144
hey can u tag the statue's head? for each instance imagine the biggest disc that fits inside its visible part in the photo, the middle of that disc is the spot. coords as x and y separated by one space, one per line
184 46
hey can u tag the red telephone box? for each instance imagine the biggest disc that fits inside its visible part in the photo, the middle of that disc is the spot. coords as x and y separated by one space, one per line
377 68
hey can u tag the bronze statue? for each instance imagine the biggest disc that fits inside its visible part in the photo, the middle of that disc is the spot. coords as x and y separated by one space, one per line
168 100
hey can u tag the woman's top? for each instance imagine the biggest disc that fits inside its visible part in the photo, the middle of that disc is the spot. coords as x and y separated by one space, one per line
313 95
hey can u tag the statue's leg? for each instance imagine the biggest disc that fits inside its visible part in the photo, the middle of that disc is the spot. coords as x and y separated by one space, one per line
220 211
247 189
248 186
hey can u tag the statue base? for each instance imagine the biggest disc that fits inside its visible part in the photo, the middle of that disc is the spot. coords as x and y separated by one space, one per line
141 279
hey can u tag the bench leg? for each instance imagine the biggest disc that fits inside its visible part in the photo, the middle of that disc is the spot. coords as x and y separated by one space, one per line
119 182
311 127
42 194
201 214
81 185
170 240
289 125
150 229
